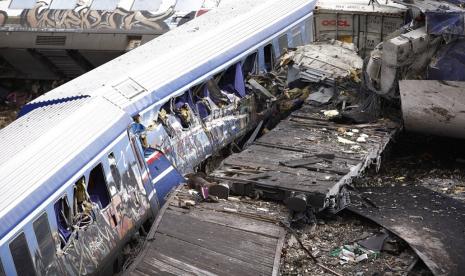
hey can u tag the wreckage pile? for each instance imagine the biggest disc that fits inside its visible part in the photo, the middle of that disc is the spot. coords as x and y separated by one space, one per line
341 114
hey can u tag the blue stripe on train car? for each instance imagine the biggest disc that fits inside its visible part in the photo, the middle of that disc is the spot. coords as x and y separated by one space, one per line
164 176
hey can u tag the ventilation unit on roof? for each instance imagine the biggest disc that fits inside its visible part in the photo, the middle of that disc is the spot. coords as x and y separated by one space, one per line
49 40
129 88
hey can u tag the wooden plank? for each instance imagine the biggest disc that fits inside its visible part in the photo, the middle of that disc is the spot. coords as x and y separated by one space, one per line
165 264
277 258
205 259
248 247
234 221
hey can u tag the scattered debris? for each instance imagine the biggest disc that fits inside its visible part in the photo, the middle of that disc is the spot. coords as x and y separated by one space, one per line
399 210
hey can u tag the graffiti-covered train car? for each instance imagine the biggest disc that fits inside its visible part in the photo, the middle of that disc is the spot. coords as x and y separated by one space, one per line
88 163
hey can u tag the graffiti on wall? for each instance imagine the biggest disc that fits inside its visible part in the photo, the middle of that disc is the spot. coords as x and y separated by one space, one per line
83 18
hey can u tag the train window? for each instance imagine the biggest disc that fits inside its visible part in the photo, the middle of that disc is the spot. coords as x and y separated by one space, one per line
114 170
250 64
64 220
214 93
44 238
269 57
309 30
201 104
182 110
163 118
297 36
97 187
283 44
22 256
232 82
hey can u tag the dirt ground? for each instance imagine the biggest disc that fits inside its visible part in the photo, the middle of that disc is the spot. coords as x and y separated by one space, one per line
330 234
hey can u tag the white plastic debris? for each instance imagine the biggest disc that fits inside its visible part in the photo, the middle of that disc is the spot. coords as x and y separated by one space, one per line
361 258
330 113
361 139
355 130
345 141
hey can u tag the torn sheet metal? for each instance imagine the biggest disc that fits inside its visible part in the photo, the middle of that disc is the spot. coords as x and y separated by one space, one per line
448 63
442 17
434 107
431 223
445 22
326 62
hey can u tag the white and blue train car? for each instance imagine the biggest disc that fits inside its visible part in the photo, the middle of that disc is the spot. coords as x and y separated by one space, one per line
88 163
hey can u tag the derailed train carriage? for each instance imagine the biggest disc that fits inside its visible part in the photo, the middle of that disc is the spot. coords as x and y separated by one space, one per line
87 164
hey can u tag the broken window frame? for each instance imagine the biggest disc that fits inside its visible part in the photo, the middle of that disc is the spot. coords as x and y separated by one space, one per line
229 77
269 58
254 67
22 260
67 218
196 90
103 187
169 129
308 30
115 172
174 112
139 156
283 43
297 37
43 233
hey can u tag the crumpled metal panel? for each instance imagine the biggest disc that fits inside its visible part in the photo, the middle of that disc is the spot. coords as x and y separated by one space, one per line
445 22
90 248
449 63
325 62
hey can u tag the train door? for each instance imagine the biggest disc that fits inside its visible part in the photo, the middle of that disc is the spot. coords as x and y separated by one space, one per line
159 175
116 211
144 171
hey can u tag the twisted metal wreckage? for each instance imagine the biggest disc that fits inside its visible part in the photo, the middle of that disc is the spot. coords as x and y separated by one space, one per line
340 118
348 110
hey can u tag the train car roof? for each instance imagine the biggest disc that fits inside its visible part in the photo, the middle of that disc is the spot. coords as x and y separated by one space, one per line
170 62
40 151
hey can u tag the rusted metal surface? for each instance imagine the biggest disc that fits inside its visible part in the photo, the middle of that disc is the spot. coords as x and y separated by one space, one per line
430 222
304 154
